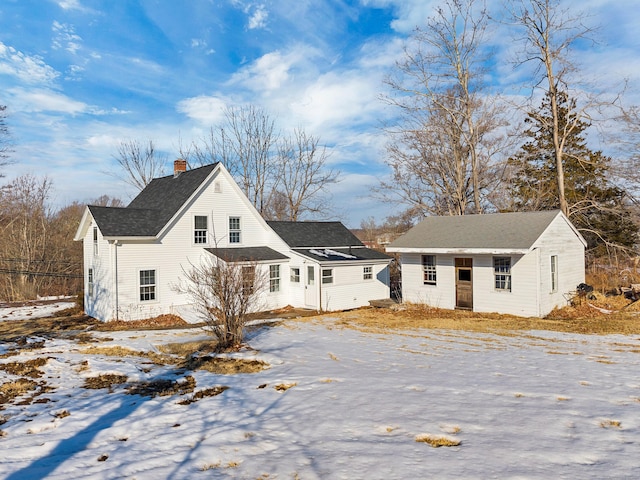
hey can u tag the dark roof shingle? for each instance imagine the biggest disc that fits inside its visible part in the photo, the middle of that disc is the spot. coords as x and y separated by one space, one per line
315 234
154 206
517 230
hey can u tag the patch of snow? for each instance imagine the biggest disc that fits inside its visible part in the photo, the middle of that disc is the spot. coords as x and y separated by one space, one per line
532 405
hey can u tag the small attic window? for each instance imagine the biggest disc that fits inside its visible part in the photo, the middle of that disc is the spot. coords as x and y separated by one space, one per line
217 187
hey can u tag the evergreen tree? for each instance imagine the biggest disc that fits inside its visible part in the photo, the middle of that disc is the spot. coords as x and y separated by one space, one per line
595 206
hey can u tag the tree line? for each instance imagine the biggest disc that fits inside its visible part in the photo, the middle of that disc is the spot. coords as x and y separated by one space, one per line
458 146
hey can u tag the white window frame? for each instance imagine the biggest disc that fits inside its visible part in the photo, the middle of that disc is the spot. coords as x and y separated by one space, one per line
327 276
95 241
235 234
554 273
429 273
248 275
274 278
294 275
90 282
200 235
367 272
147 289
502 273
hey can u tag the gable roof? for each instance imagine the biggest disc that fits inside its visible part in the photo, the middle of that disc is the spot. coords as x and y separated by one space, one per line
315 234
516 231
154 206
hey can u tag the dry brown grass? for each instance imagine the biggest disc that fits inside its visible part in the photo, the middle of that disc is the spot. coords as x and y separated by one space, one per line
155 323
163 387
13 389
207 392
225 366
118 351
29 368
105 380
283 387
580 319
438 441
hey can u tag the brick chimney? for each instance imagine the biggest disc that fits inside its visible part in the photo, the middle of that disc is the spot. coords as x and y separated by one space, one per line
179 166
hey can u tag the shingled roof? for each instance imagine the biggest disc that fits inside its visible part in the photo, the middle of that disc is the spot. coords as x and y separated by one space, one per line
152 209
315 234
503 231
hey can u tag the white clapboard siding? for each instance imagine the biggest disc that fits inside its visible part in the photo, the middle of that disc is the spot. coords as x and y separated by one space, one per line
531 291
342 294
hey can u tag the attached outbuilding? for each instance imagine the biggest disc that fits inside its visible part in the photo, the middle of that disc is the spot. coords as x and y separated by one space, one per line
523 263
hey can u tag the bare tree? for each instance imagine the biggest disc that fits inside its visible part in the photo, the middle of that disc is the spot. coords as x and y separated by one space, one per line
138 163
5 145
224 294
442 154
303 177
550 32
24 229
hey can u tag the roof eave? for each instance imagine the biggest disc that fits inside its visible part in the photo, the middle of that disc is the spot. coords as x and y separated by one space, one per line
460 251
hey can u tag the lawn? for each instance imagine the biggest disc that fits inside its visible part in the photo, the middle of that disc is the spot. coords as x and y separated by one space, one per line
371 393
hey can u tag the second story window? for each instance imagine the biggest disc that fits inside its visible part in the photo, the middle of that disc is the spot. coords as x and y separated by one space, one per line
234 230
95 240
200 229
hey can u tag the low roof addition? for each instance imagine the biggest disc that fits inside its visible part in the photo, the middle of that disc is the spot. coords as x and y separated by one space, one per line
153 208
315 234
516 231
332 255
247 254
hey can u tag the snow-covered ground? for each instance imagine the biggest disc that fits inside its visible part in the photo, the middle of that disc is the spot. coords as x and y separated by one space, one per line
45 307
529 405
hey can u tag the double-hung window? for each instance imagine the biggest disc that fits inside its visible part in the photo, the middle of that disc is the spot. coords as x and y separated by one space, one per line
234 230
200 229
147 285
327 276
274 278
295 275
554 273
95 240
90 282
248 279
502 273
429 269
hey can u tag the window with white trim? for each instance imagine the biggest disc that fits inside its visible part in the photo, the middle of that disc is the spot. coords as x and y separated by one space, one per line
200 229
429 269
274 278
90 282
147 285
554 273
327 276
502 273
367 272
95 240
234 230
248 279
295 275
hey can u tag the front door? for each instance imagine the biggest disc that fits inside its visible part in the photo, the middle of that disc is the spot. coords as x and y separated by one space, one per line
464 283
310 288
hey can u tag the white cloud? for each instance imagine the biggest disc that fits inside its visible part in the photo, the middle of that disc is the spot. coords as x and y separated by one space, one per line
28 69
258 18
65 38
42 100
204 109
275 70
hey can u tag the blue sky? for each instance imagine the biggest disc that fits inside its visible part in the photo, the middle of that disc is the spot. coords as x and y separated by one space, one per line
79 76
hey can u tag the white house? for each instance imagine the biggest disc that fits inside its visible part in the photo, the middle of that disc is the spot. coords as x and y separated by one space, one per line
135 256
522 263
